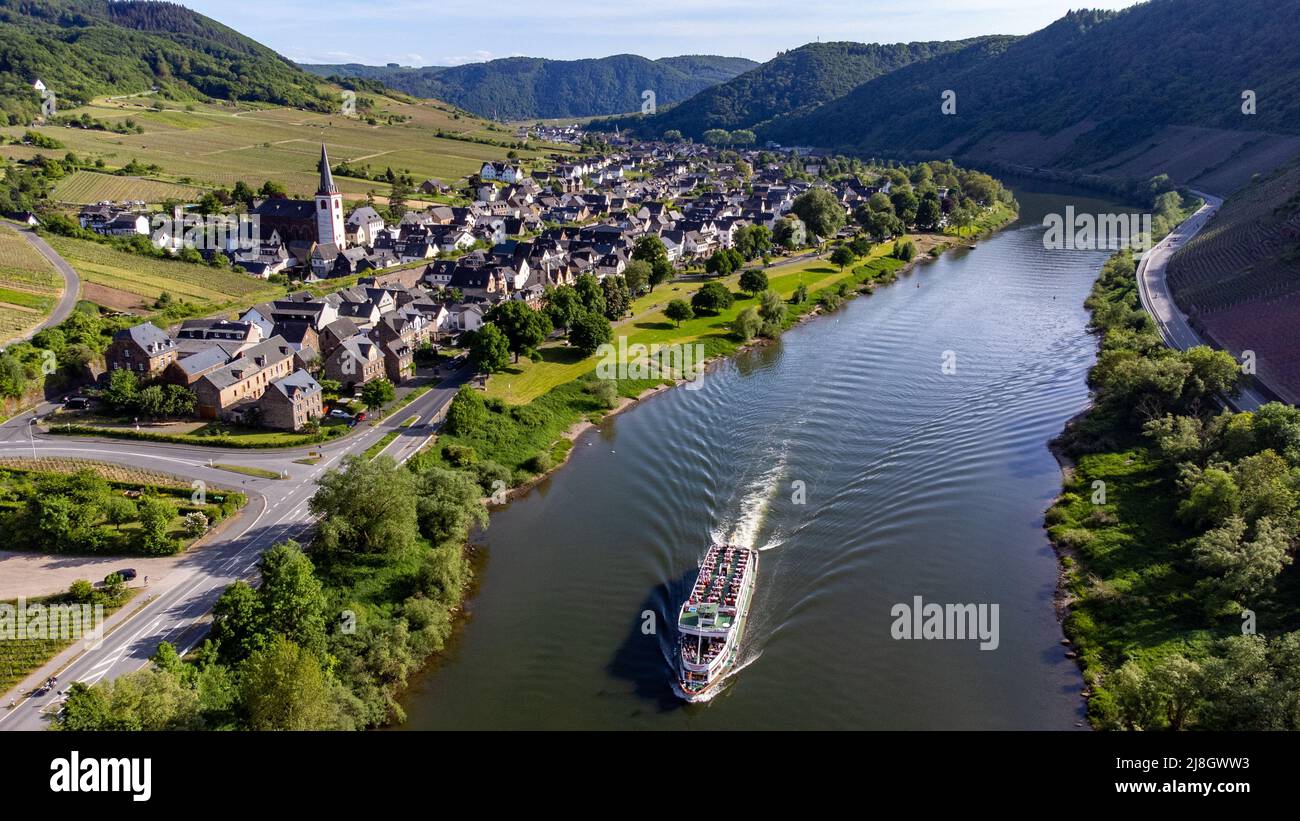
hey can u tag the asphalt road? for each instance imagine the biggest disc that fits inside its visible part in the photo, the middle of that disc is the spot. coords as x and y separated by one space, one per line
177 612
71 285
1153 286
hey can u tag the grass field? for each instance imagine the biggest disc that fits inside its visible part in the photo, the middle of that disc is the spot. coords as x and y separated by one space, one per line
526 380
89 187
216 145
147 277
29 285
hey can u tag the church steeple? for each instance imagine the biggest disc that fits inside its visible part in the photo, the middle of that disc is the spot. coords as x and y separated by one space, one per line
330 229
327 185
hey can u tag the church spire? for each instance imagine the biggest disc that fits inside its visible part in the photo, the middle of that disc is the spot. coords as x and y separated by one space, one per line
327 185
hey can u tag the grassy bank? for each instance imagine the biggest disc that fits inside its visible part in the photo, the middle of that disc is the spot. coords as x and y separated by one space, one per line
1176 531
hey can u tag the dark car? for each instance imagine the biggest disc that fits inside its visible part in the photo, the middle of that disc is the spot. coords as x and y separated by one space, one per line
127 575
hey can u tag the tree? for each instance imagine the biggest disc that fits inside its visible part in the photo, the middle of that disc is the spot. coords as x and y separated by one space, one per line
291 597
719 263
449 505
748 323
367 506
679 310
928 213
753 241
489 348
618 299
649 248
156 515
713 297
905 204
118 510
1242 569
790 233
590 294
376 393
820 211
716 136
637 275
590 330
904 249
842 256
753 281
524 327
467 414
672 135
561 305
284 688
123 389
771 308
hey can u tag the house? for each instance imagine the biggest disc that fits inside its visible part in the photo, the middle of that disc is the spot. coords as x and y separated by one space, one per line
355 362
363 225
399 360
334 334
291 402
189 369
142 348
226 392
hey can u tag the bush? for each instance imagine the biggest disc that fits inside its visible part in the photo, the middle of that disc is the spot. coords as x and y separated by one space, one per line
540 463
459 455
606 393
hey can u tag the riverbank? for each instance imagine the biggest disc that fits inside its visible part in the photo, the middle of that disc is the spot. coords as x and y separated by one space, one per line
1173 532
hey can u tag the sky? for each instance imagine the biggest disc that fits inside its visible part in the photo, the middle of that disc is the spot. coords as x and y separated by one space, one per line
454 32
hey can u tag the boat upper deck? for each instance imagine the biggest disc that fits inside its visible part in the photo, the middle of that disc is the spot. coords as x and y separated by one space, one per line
712 602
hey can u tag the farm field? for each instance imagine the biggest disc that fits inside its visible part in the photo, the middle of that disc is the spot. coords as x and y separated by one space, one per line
148 278
89 187
218 144
29 286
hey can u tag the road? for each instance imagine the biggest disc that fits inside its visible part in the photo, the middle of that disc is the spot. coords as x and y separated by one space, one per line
71 285
1153 287
176 611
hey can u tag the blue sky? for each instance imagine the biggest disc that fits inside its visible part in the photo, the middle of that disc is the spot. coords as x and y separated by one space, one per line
452 32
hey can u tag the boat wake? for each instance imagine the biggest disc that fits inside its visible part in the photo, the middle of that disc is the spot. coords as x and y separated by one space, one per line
754 503
721 686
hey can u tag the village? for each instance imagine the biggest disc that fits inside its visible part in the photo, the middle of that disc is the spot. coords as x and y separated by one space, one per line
427 281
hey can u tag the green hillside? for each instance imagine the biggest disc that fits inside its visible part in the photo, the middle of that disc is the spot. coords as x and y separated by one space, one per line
520 88
83 49
1117 78
792 81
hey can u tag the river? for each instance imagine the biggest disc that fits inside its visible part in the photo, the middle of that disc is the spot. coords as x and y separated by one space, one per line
916 482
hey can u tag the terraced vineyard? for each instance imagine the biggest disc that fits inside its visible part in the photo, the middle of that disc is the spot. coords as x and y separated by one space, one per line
29 286
89 187
1250 251
148 278
217 145
1239 279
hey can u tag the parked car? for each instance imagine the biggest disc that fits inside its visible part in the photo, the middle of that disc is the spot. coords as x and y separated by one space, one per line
76 403
361 416
339 413
127 575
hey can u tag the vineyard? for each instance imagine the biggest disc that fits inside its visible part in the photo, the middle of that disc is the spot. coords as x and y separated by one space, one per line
217 145
1270 328
149 277
1250 251
29 286
88 187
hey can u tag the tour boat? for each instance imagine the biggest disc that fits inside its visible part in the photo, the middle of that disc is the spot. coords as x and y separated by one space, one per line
712 619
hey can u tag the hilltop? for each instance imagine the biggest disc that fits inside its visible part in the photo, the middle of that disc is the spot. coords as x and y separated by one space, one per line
792 81
82 49
519 88
1155 88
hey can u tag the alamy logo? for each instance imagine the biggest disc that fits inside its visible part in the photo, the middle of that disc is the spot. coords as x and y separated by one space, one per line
128 775
955 622
48 622
657 361
1096 232
648 102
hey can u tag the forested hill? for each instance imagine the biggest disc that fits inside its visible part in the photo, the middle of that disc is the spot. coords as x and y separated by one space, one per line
85 48
791 81
1127 92
518 88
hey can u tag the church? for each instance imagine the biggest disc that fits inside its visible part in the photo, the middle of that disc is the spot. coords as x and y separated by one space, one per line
317 221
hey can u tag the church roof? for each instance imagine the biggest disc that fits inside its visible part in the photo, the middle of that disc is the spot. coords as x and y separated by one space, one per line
327 185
